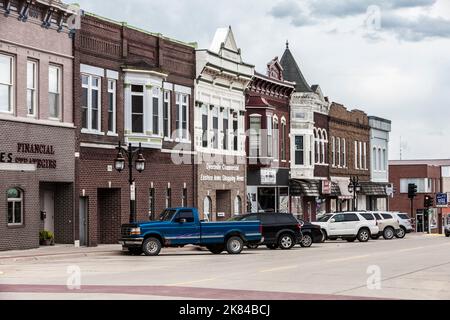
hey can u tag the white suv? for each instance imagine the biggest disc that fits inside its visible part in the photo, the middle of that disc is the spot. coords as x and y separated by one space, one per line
405 224
347 225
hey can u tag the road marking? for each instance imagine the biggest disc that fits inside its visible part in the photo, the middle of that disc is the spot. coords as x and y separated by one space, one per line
349 258
190 282
279 269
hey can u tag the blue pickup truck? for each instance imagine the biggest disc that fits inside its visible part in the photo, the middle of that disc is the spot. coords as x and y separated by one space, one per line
179 227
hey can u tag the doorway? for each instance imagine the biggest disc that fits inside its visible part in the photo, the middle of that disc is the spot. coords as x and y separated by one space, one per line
83 221
420 222
47 204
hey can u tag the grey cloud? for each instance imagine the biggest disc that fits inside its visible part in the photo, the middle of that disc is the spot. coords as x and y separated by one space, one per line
291 9
418 29
341 8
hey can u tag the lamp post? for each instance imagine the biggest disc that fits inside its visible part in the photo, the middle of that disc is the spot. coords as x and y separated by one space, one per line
119 164
354 187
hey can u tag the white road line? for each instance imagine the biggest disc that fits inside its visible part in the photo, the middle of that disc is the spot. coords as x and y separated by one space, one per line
279 269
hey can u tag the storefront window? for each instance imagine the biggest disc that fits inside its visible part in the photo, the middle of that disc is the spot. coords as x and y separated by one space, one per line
207 208
15 207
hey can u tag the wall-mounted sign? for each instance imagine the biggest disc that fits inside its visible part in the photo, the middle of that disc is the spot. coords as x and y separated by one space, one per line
441 200
326 187
269 176
29 153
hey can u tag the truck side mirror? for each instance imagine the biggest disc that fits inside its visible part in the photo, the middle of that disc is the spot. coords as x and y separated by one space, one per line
332 220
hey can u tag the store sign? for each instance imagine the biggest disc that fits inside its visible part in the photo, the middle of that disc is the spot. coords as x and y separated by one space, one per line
269 176
326 187
29 153
225 173
441 200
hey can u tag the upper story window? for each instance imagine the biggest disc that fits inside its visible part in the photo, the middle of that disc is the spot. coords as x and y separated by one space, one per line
166 114
299 150
112 106
215 128
137 109
90 102
356 155
31 87
283 140
269 136
15 207
344 153
225 130
235 132
6 83
364 157
182 105
255 136
338 152
205 127
333 151
276 139
155 111
54 91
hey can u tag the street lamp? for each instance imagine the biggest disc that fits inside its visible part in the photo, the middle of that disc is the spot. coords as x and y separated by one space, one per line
119 165
354 188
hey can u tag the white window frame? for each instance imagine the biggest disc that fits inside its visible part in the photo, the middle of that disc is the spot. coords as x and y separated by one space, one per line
34 88
255 137
338 153
156 93
344 152
283 140
90 88
269 136
299 150
365 155
333 151
356 155
10 84
14 201
180 103
276 138
144 120
58 93
225 131
112 91
361 166
167 95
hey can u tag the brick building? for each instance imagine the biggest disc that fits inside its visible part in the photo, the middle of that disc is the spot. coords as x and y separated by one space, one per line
267 123
427 175
222 78
349 155
131 86
37 140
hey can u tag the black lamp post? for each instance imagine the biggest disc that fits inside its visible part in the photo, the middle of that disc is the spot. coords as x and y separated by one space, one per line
354 188
119 164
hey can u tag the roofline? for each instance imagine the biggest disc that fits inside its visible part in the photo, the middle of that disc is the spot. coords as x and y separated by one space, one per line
380 119
125 24
225 58
285 83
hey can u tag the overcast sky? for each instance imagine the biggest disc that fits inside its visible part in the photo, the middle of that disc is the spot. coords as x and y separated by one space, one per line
390 58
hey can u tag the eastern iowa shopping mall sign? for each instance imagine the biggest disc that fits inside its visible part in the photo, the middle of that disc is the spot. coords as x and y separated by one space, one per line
29 153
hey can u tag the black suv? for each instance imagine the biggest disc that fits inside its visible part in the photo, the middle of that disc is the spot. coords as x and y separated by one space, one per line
280 230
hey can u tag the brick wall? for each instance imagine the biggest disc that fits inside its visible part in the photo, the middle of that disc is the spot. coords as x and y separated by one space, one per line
109 216
64 213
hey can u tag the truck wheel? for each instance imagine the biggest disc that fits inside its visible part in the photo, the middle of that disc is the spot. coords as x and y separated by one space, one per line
218 249
151 247
135 251
388 233
235 245
286 242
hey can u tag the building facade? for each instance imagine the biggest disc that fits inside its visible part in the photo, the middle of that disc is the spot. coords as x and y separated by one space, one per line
221 80
349 156
379 189
37 153
309 143
268 144
131 87
426 175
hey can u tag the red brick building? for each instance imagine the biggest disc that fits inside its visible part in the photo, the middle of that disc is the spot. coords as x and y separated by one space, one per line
37 140
268 147
131 86
427 177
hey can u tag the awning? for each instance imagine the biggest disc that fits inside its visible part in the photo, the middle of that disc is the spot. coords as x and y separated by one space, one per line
343 186
373 189
305 188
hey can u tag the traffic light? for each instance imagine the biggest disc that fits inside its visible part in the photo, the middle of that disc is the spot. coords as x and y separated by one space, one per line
412 190
429 202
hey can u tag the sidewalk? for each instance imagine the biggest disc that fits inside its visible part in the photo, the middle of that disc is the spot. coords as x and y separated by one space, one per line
58 251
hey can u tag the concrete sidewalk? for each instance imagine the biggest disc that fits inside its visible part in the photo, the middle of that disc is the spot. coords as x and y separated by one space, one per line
58 251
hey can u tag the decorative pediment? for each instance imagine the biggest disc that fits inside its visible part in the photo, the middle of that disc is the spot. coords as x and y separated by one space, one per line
275 70
224 44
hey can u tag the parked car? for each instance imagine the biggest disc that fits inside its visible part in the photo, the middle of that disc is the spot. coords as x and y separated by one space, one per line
406 225
349 226
311 234
179 227
388 225
279 230
447 231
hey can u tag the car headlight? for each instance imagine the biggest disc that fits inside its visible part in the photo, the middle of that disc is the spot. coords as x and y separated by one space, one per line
135 231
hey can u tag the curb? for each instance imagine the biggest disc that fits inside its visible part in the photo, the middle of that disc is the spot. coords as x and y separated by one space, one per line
55 255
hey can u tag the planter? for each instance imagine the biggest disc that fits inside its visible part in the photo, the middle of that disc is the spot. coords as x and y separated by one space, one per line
48 242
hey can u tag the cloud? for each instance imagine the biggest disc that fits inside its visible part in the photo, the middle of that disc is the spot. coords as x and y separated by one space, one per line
417 29
339 8
291 10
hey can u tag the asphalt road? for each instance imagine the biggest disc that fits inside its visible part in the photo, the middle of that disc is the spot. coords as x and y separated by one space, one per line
413 268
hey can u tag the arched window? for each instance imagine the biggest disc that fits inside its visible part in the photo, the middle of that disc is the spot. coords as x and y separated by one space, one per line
316 146
15 206
338 155
283 139
276 139
384 160
237 206
380 163
374 159
344 153
207 208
